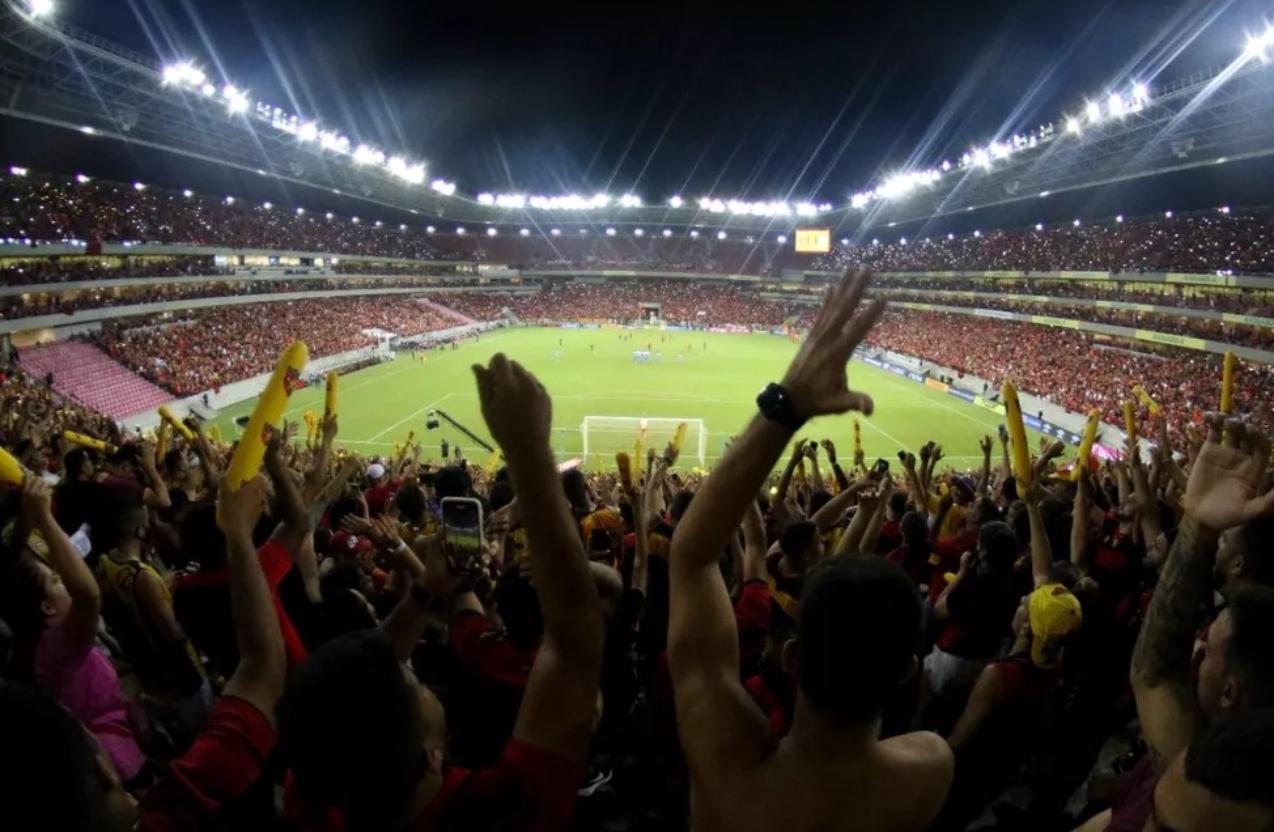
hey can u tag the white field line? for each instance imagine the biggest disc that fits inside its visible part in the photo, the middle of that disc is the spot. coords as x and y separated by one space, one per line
409 417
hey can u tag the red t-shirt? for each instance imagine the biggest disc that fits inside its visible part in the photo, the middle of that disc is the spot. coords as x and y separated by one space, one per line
378 496
481 648
276 563
528 789
752 617
224 762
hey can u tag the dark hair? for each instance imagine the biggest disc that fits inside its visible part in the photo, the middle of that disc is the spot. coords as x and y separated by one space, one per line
519 608
22 608
1231 758
819 499
202 540
1250 653
173 460
898 503
1253 541
351 729
915 530
123 512
338 508
500 494
988 511
75 460
856 632
997 541
576 488
796 539
57 785
453 481
411 504
680 505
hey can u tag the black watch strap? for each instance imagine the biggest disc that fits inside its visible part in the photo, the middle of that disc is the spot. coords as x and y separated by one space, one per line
776 405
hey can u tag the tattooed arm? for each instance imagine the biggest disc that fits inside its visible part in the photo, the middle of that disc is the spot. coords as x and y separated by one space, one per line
1223 491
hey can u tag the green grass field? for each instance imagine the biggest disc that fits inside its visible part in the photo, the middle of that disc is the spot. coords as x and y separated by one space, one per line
718 384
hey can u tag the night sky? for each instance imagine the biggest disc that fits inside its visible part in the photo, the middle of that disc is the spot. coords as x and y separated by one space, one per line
800 101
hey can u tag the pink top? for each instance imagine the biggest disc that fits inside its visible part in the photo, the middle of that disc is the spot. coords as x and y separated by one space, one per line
86 684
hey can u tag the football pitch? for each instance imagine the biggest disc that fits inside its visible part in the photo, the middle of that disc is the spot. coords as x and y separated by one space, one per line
591 372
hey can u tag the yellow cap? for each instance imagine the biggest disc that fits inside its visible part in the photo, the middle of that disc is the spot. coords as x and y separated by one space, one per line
1054 613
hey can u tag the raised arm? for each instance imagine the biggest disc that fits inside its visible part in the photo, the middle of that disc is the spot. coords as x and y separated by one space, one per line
81 586
753 543
842 481
834 509
259 675
1041 548
785 481
984 476
1223 492
295 517
156 495
1079 525
811 453
561 694
720 726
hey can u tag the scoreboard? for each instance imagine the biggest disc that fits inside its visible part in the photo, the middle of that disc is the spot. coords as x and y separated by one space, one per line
813 240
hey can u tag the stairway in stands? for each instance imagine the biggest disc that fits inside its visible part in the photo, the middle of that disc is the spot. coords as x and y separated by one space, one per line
85 374
446 310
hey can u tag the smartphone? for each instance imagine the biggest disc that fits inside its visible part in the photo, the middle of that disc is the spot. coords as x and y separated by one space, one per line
462 530
882 465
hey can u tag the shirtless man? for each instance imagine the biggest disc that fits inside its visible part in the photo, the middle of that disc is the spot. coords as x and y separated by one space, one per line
855 632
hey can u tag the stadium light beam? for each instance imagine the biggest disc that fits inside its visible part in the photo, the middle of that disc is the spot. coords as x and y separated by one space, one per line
40 8
676 202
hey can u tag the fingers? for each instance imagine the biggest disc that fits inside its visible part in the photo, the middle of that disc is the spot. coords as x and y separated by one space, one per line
1216 424
857 327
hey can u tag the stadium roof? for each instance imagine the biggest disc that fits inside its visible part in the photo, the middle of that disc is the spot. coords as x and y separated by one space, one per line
55 74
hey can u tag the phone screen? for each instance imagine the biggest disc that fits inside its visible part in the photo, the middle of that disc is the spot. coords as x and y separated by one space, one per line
462 529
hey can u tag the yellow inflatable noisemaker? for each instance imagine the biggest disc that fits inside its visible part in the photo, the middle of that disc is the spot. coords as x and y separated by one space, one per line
248 454
1017 435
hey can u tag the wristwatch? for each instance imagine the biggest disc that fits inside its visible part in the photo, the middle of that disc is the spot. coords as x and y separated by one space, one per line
776 405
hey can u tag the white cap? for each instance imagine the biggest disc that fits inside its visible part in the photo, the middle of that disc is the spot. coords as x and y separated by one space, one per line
375 470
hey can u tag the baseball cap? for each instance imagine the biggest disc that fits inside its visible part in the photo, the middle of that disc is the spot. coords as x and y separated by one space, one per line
1054 612
375 470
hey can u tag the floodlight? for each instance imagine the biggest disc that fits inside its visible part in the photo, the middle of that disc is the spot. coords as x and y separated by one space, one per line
208 89
630 201
721 235
364 155
1224 209
1119 218
610 232
639 232
329 215
429 229
844 241
379 223
460 230
1039 226
16 170
236 99
556 232
1140 92
355 220
583 232
443 187
982 157
1115 105
88 131
1168 214
486 199
858 200
875 241
782 239
903 241
1093 111
806 209
1073 125
667 232
230 200
40 8
1258 44
82 179
300 212
1075 223
491 232
694 235
139 186
524 232
676 202
308 132
267 205
402 226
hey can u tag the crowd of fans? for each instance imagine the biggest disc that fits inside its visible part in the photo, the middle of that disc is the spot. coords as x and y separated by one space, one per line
216 346
1203 243
26 271
838 646
1074 370
36 209
1248 335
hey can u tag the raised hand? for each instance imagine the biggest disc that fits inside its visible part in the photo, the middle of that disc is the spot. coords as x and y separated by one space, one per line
1223 490
985 444
516 407
817 380
830 448
238 511
811 450
36 501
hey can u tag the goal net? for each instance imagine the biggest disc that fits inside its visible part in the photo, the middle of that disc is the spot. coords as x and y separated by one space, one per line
605 436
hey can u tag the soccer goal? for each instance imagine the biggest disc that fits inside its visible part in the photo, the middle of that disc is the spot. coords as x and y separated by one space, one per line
605 436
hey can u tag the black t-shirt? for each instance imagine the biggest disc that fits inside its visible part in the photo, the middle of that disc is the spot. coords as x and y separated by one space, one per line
982 609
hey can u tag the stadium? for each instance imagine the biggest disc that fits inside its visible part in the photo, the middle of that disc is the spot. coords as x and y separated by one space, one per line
789 443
